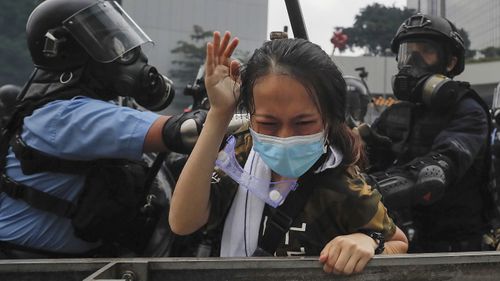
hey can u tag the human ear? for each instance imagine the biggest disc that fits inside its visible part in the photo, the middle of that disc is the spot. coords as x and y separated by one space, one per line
451 63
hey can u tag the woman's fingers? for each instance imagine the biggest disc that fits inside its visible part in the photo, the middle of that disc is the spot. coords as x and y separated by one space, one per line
216 47
209 63
361 264
224 43
234 70
228 52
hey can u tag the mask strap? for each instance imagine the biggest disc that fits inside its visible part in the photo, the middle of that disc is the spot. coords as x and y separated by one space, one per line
272 193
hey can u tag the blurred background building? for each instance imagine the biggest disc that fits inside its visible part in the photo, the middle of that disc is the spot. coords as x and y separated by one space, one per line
169 21
480 18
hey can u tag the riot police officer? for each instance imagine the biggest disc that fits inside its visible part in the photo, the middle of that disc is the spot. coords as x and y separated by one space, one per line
430 153
72 177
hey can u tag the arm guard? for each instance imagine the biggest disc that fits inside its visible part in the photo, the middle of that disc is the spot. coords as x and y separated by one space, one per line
180 132
420 182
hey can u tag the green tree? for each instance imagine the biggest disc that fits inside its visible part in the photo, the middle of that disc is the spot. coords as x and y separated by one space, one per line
192 56
491 52
465 36
375 26
16 62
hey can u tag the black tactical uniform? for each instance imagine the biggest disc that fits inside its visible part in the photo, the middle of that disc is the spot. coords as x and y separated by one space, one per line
430 153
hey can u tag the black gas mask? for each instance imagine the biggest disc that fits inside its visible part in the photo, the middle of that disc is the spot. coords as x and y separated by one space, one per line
421 64
131 76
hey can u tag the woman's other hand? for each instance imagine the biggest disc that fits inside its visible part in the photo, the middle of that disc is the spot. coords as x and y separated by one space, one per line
347 254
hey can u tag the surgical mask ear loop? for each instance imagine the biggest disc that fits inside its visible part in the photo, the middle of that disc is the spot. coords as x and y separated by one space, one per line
272 193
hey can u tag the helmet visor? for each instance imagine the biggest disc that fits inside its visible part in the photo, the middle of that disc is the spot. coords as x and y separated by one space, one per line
105 30
422 54
496 98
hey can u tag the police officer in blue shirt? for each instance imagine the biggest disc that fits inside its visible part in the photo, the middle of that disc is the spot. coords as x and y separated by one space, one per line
72 179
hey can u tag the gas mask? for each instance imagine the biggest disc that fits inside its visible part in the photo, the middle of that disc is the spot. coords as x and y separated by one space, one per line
113 40
131 76
420 78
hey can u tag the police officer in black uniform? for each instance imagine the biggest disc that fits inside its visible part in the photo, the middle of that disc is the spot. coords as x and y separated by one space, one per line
430 153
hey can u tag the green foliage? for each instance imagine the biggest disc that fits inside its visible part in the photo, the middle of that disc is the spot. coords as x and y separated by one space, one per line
16 62
193 55
374 28
490 52
465 36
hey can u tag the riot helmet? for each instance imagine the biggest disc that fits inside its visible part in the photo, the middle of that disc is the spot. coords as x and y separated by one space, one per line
426 47
8 95
8 101
439 30
495 105
101 38
357 99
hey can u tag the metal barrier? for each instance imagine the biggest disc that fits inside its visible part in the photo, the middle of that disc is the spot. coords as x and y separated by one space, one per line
482 266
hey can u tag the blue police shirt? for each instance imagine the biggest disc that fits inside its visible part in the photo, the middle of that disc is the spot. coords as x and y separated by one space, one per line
78 129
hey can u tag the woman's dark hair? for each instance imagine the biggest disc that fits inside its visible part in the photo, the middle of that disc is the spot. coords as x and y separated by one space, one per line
315 70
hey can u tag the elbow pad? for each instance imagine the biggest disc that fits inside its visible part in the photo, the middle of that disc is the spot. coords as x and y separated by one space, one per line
181 132
420 182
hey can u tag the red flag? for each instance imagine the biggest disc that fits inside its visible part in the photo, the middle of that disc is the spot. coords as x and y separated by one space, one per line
339 40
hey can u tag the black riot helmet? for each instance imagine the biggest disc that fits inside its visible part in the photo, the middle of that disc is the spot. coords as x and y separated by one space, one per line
435 29
8 95
62 34
101 40
50 45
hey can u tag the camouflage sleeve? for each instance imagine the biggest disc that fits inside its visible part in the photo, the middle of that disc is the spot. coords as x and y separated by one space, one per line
362 209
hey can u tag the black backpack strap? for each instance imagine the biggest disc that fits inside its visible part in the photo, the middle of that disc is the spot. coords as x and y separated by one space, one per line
280 222
34 161
36 198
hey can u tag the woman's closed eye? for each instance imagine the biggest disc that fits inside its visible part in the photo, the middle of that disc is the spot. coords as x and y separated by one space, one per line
305 122
267 124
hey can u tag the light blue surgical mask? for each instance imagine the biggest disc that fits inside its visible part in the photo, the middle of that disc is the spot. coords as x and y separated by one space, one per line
289 157
273 193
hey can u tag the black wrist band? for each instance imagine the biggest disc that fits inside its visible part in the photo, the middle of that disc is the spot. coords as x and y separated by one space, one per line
378 237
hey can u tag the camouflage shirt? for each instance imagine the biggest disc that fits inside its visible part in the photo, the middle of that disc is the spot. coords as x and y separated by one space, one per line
340 203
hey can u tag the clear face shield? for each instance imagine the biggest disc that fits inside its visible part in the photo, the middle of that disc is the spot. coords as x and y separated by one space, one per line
423 54
272 193
106 31
495 105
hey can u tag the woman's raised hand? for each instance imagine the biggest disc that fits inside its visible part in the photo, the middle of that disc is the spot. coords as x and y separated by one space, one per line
222 74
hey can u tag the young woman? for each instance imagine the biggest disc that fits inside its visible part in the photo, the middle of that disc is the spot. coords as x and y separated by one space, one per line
295 96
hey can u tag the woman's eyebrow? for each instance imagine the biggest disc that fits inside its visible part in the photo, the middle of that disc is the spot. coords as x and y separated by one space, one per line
269 116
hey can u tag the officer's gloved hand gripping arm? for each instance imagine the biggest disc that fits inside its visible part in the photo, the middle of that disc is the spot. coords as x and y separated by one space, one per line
421 182
425 179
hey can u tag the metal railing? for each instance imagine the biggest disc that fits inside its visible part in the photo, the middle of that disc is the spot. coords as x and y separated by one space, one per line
482 266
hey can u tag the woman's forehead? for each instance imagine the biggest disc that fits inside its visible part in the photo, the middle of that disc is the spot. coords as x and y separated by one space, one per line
282 93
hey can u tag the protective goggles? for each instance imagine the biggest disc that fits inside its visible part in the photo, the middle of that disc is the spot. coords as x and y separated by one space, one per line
423 54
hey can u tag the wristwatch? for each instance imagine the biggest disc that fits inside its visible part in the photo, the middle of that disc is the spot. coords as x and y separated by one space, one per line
378 237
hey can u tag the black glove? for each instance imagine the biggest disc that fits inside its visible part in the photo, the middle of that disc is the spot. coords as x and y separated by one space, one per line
181 132
372 138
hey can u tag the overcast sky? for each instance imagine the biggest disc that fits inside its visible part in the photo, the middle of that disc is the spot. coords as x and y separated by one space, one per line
321 16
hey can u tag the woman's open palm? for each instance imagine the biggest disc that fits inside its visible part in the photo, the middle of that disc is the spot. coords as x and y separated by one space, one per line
221 73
